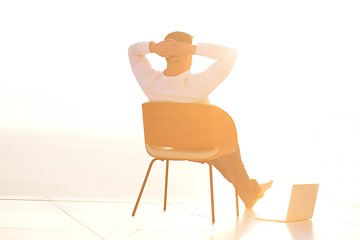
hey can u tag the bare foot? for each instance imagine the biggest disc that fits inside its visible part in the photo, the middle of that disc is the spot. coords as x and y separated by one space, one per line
263 188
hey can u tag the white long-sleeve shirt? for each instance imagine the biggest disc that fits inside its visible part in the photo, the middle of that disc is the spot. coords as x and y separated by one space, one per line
185 87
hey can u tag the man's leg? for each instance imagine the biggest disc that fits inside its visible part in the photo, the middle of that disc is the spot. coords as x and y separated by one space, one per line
232 168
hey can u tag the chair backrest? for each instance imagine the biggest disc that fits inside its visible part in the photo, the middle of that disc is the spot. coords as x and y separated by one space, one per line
188 126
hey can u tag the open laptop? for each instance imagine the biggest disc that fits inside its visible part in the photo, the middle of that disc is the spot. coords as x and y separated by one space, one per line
301 205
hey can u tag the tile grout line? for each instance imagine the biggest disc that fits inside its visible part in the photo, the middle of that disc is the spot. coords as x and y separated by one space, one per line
351 223
53 202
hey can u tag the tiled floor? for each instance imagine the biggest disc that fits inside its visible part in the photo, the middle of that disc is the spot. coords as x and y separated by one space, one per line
29 218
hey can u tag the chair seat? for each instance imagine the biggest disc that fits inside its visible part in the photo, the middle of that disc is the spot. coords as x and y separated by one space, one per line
169 153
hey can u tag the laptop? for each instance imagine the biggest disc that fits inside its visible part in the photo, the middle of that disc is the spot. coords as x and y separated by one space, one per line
300 205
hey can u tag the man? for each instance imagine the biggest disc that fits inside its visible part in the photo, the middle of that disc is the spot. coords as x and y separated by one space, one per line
177 84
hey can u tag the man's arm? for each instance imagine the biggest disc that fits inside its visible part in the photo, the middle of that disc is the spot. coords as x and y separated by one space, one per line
205 82
140 65
169 47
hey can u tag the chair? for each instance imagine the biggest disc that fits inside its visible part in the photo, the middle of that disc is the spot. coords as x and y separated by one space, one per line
187 131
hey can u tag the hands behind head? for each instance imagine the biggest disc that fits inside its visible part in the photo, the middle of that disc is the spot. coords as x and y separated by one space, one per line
170 48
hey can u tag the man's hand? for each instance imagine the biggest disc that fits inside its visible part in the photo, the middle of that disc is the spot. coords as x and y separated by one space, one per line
163 49
171 48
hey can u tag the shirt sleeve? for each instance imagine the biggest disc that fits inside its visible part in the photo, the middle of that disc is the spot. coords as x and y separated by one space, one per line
205 82
140 65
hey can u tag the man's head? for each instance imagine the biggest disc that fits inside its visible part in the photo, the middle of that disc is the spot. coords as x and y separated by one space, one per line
180 37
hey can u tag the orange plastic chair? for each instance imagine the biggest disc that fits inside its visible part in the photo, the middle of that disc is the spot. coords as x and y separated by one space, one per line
187 131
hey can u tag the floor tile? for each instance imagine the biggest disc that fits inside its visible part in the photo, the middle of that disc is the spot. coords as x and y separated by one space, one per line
165 235
45 234
38 219
33 214
112 220
101 217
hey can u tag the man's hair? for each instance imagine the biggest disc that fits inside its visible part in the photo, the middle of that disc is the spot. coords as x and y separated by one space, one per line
180 36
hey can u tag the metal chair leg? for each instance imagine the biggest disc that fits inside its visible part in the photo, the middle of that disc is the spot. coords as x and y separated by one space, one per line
236 193
143 186
237 203
212 193
166 183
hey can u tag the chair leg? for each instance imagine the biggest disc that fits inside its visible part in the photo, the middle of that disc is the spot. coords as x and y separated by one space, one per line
212 194
143 186
236 193
237 202
166 184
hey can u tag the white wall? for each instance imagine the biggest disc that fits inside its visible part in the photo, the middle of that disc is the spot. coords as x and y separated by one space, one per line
70 120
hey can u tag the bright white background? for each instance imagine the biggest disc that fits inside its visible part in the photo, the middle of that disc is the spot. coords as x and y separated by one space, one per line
70 108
